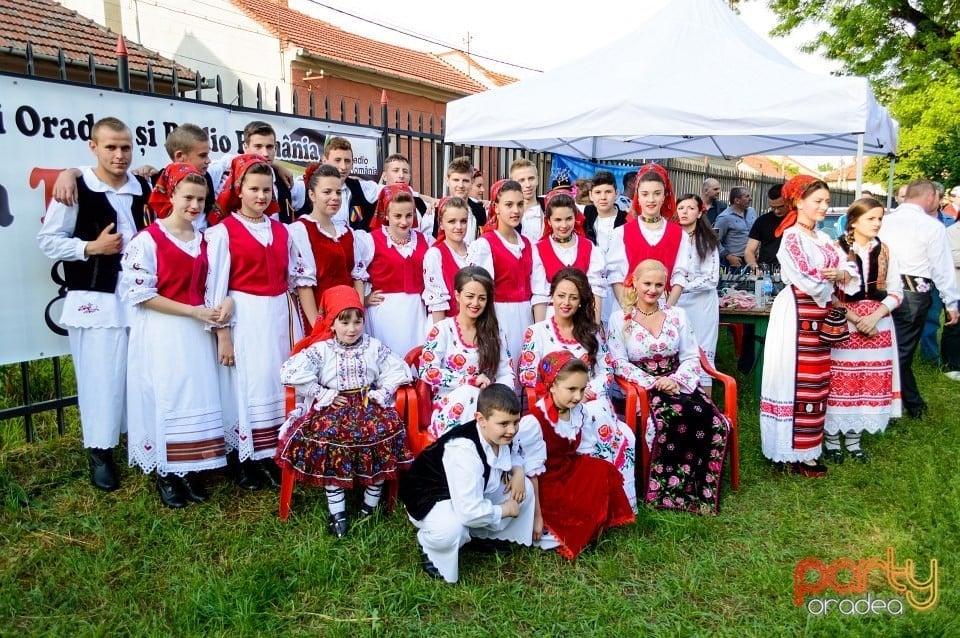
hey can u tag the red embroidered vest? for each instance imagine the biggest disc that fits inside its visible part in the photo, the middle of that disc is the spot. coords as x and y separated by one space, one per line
254 268
449 267
552 263
390 271
334 257
665 251
179 276
511 282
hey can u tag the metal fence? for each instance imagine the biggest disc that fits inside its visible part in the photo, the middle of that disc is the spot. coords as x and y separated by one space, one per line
421 140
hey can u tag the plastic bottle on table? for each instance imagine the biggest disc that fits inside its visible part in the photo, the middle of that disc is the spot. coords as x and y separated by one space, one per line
767 289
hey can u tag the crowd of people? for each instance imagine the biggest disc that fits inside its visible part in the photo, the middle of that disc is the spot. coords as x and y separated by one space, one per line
195 300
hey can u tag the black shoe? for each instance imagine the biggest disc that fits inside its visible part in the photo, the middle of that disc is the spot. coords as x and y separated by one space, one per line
103 472
817 470
268 472
833 456
859 456
917 413
429 568
171 492
193 488
487 546
247 476
338 524
366 511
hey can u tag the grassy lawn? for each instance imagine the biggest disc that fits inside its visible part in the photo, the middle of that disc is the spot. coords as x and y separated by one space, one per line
77 562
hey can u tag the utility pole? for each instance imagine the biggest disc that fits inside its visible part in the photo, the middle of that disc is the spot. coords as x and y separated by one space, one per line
468 40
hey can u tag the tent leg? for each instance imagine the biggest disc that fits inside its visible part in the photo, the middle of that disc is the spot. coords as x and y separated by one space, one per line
893 163
859 189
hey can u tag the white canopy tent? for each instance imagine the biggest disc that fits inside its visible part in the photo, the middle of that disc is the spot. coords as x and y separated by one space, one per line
762 103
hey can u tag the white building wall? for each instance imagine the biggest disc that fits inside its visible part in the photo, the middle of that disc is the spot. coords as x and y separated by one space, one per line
212 36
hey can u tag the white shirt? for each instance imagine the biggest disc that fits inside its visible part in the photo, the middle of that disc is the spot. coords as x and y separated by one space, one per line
88 308
618 261
531 224
371 190
435 293
919 243
468 494
567 254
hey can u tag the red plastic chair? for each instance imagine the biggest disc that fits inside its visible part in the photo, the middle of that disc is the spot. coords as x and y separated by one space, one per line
637 402
288 477
419 407
736 329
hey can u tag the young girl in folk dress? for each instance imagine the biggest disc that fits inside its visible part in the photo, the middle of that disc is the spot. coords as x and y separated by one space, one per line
864 375
563 245
655 348
253 261
464 354
327 249
445 258
349 433
577 495
390 258
508 256
650 235
700 277
796 366
176 424
574 328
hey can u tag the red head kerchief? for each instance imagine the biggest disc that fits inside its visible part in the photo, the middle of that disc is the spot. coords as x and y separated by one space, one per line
792 191
669 207
549 368
492 221
440 234
333 301
387 194
229 198
308 173
160 197
578 218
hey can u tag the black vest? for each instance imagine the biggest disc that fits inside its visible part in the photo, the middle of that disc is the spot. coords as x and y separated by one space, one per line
870 287
94 213
590 221
284 200
359 200
425 484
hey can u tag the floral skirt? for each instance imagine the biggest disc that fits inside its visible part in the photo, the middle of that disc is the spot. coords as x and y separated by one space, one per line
686 458
360 442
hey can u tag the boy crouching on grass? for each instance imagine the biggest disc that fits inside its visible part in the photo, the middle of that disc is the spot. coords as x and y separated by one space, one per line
469 484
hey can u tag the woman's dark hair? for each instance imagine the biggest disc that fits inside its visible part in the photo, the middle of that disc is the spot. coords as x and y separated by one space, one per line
570 367
260 168
453 202
704 236
560 200
857 209
324 170
511 185
488 328
651 176
585 326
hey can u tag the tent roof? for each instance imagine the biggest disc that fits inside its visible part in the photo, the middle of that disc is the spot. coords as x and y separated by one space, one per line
765 105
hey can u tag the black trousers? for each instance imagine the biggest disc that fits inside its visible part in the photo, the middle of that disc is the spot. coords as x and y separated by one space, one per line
950 347
908 321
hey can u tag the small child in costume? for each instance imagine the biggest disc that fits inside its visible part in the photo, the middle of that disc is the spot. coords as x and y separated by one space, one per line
348 431
455 491
577 495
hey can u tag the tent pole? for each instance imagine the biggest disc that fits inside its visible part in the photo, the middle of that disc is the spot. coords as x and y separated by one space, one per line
893 162
859 189
447 151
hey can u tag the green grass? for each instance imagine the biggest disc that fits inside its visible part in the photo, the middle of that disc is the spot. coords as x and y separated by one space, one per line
77 562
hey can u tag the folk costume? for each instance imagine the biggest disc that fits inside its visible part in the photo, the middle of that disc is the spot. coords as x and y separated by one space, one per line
176 423
453 493
550 256
362 441
864 375
94 315
580 495
396 270
608 438
699 300
256 264
451 367
440 266
689 432
796 366
511 266
599 230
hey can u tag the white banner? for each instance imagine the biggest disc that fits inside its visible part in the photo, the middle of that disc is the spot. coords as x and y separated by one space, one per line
44 128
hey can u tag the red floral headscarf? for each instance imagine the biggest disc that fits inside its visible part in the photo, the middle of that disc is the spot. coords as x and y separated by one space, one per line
333 301
549 368
492 221
387 194
229 198
669 207
160 197
792 192
578 218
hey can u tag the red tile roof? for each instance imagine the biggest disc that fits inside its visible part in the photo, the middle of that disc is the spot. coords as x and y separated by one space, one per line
49 25
325 40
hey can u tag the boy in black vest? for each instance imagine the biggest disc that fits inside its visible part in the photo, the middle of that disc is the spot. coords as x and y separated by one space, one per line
89 238
358 196
469 484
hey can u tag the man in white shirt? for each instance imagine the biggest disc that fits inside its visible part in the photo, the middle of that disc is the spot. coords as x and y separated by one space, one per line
920 245
531 224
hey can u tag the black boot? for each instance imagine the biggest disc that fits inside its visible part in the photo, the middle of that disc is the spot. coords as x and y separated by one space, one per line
268 472
245 475
194 489
338 524
171 492
103 473
429 568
